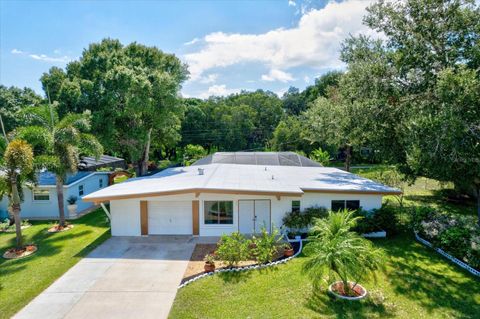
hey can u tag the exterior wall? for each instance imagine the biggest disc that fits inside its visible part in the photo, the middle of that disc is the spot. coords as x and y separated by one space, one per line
126 213
49 209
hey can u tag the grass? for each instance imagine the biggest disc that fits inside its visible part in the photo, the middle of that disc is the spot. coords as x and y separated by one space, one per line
23 279
418 283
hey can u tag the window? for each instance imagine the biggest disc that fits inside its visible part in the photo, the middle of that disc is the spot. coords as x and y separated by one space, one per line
41 195
342 204
80 190
100 183
295 206
218 212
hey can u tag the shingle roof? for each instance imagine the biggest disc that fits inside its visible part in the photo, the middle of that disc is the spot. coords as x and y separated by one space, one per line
258 158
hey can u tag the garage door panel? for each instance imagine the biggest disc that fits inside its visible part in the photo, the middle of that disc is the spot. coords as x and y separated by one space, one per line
169 218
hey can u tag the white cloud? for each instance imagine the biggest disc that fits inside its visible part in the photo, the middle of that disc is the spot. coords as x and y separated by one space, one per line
207 79
291 3
306 78
195 40
218 90
314 42
277 75
280 92
46 58
43 57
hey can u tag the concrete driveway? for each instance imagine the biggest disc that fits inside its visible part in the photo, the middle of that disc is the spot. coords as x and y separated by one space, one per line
125 277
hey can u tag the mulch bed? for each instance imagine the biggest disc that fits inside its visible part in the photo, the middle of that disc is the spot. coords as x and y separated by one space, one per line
58 229
14 253
196 263
338 288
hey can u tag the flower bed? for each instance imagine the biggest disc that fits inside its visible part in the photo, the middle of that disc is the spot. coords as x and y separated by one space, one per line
456 237
59 229
297 247
14 253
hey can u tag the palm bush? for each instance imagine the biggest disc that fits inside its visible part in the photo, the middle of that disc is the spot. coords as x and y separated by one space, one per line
266 245
341 253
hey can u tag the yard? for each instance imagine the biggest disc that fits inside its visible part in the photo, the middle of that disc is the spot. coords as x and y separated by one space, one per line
21 280
418 283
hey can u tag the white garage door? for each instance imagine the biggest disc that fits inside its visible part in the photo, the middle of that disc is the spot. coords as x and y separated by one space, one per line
170 218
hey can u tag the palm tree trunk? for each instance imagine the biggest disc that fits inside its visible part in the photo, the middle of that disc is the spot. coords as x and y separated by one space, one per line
61 204
16 211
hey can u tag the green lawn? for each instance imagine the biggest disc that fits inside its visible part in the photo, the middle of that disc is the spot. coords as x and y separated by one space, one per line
417 284
23 279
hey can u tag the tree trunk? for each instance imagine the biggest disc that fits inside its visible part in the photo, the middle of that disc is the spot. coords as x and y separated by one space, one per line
61 203
478 204
143 169
348 158
16 211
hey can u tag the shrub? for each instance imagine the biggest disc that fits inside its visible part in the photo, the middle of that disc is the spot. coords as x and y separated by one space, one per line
266 245
457 235
384 218
320 156
298 221
233 248
5 224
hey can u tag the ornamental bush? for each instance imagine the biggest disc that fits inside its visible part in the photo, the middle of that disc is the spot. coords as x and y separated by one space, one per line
266 245
299 221
457 235
233 248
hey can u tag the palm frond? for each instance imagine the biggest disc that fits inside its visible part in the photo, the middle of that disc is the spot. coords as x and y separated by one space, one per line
81 122
89 145
39 137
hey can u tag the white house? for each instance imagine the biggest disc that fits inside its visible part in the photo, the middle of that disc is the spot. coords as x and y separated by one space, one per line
40 201
216 195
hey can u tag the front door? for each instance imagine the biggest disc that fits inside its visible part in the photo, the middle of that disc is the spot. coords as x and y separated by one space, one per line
253 215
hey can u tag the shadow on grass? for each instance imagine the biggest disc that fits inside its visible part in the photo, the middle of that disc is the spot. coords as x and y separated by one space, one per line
321 302
422 275
437 201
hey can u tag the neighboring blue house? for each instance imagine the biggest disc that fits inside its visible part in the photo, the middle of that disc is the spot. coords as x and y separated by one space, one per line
41 202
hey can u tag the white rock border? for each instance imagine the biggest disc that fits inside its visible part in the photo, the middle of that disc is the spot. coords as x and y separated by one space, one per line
362 296
460 263
255 266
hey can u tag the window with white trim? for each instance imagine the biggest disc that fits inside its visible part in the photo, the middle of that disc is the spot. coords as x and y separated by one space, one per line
345 204
80 190
218 212
41 195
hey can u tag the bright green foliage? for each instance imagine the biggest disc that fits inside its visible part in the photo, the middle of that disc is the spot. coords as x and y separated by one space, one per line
290 135
192 153
337 250
132 92
19 157
233 248
266 245
318 155
12 101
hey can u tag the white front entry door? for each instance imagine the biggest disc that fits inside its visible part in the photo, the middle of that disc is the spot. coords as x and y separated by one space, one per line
170 218
253 215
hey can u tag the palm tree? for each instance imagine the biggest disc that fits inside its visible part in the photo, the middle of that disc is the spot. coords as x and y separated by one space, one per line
59 142
18 167
340 252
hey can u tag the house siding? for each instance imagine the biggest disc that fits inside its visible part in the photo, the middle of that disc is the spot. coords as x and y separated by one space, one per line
126 213
31 209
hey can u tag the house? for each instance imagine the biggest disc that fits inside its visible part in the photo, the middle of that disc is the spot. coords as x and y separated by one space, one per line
211 198
40 202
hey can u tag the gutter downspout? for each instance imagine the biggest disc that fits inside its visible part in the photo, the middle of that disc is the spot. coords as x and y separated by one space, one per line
106 211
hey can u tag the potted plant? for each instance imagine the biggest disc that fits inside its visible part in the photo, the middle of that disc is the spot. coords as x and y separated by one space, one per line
287 250
209 263
72 205
342 253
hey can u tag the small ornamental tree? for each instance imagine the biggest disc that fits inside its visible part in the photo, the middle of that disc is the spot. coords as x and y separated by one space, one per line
337 250
18 164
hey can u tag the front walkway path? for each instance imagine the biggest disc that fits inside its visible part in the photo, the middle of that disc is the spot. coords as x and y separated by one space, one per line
125 277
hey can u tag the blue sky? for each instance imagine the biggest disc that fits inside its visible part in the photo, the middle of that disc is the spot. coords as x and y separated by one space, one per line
228 45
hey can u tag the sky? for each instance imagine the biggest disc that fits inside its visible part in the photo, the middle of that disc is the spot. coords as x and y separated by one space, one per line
229 46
